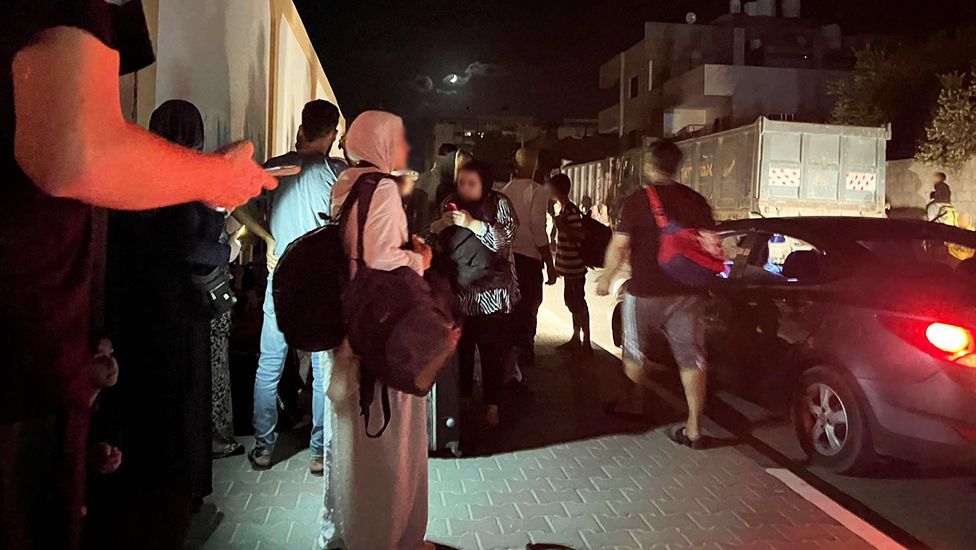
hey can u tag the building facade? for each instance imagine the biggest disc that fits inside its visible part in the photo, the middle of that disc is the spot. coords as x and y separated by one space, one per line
464 131
687 79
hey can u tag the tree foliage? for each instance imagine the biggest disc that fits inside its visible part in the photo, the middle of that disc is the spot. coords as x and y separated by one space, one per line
950 137
859 99
898 81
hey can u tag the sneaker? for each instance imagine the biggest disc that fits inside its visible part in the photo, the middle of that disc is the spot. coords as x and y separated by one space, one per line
225 450
330 544
259 460
316 466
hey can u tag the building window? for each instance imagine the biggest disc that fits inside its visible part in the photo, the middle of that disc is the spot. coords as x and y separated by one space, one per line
634 87
650 75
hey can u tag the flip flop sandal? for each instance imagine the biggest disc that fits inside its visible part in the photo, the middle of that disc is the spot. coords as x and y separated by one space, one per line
680 436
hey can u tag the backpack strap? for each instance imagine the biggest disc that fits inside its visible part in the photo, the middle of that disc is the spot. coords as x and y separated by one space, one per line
361 194
660 217
366 394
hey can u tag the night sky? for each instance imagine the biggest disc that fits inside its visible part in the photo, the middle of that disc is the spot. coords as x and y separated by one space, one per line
532 57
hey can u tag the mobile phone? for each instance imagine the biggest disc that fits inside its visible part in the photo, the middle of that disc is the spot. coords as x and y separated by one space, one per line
451 207
286 170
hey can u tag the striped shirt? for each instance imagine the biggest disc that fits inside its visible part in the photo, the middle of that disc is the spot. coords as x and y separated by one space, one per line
569 242
497 237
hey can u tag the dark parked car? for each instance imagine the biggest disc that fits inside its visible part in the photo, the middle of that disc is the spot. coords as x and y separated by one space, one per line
862 329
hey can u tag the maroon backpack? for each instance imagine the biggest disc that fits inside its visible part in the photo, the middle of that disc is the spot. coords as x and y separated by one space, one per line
403 332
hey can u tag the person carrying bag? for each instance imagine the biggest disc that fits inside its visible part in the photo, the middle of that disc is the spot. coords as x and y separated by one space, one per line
402 333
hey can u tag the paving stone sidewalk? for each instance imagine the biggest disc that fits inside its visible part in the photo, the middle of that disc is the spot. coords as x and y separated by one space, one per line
623 491
620 491
564 473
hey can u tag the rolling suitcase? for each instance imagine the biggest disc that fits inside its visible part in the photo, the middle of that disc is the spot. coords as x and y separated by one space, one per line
444 413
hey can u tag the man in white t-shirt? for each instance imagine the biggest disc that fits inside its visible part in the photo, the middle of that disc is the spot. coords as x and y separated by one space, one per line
531 247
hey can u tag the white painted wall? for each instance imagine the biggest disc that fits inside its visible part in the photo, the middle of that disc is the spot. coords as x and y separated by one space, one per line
908 184
676 119
248 65
292 69
217 55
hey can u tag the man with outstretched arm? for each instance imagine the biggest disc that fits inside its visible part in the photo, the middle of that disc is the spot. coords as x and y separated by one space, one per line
65 146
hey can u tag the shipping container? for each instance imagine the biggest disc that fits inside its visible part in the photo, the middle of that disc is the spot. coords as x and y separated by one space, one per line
606 183
766 169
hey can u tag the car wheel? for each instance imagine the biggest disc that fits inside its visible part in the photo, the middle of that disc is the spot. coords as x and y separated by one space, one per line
831 422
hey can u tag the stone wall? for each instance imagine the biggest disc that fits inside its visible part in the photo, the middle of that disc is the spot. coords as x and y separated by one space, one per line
909 183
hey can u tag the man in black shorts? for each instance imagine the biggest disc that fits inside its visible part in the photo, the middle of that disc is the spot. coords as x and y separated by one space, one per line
654 302
569 263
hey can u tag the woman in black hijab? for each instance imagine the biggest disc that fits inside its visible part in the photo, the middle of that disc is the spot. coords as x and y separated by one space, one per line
160 326
474 238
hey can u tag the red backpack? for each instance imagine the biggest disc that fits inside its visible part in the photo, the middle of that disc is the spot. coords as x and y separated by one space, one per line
683 253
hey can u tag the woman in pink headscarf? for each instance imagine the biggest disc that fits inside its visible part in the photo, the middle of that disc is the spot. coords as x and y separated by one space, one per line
380 485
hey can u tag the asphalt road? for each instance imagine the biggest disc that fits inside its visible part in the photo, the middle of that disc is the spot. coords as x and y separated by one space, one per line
914 506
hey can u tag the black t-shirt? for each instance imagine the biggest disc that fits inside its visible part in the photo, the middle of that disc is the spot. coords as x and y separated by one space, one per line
685 207
45 242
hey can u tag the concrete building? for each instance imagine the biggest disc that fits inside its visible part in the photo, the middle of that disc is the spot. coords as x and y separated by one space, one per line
684 79
248 65
466 129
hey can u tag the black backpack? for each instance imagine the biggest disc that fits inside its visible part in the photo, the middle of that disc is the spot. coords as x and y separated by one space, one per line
596 239
308 284
307 291
467 262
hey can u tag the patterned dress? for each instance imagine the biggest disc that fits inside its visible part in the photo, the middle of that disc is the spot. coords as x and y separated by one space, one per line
221 408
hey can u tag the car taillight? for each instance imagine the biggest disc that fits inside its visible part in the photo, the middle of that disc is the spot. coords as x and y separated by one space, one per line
949 338
945 341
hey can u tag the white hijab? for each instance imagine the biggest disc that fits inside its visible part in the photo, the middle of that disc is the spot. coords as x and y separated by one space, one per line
371 138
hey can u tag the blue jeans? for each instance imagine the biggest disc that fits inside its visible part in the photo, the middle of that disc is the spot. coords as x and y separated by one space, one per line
271 364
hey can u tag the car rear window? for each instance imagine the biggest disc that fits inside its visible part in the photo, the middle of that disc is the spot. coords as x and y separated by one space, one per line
923 254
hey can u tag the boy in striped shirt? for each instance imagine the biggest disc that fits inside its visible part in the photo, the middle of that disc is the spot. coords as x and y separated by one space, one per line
569 263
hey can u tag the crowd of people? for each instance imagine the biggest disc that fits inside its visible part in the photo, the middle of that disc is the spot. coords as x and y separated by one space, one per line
111 416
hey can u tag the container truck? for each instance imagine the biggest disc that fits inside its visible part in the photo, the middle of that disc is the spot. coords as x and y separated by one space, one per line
766 169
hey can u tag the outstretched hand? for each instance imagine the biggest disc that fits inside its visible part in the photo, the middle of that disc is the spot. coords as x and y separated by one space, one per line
242 179
711 243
